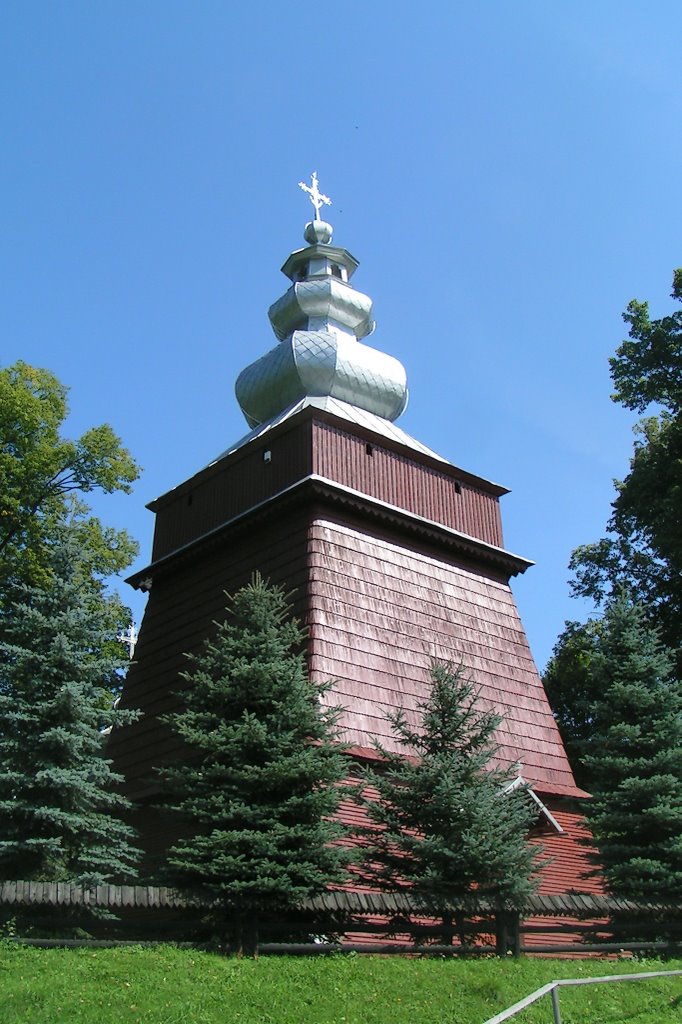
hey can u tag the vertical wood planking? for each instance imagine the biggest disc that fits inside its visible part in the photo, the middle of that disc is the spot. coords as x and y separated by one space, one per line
407 483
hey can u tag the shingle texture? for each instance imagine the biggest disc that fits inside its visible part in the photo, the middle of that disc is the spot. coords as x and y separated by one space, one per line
379 612
395 558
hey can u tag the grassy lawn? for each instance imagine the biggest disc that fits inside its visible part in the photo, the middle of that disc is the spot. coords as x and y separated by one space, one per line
169 986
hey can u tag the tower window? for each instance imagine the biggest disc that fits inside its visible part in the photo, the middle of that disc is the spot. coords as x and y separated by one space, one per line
336 272
369 450
458 487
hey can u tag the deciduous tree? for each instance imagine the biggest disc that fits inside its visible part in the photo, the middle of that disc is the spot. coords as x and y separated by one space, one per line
43 478
40 470
572 689
642 551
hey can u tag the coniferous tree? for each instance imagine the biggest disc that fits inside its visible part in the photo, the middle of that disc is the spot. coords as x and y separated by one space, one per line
446 827
59 817
634 759
260 782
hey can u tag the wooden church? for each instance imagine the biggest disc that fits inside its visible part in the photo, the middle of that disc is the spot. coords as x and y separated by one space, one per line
395 555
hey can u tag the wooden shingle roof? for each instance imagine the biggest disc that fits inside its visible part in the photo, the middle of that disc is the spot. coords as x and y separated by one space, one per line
380 611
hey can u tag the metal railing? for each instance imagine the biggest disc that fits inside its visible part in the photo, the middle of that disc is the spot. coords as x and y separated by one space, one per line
552 990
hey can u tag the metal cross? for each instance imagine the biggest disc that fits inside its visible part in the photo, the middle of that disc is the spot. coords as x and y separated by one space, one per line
316 197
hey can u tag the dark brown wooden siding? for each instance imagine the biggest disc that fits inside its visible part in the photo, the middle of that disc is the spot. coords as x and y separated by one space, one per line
379 612
405 482
182 608
239 482
230 487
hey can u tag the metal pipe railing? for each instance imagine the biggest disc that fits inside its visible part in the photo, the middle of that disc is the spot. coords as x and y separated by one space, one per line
552 989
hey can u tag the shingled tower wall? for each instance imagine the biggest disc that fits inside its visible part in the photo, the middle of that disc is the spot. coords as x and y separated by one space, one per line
395 555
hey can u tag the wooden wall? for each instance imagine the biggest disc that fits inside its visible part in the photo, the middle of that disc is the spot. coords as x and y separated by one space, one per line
438 492
380 611
184 602
379 603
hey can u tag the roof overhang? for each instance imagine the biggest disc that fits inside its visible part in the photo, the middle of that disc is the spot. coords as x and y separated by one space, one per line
338 495
363 424
545 815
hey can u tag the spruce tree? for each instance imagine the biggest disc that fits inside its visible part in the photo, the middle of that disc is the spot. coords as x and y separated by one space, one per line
256 792
59 816
445 827
635 757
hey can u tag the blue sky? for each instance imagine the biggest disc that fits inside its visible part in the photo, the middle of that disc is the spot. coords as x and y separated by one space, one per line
506 173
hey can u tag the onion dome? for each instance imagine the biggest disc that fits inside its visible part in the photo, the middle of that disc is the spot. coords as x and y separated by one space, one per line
319 322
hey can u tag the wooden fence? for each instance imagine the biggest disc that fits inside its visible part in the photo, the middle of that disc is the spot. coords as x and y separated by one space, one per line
371 921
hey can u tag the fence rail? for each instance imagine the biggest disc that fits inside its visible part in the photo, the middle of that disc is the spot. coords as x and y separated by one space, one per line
566 923
552 990
566 904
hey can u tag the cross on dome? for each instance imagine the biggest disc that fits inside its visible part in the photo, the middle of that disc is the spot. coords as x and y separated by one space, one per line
316 197
320 322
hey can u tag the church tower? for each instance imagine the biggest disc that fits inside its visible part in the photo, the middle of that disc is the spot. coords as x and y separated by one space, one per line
395 555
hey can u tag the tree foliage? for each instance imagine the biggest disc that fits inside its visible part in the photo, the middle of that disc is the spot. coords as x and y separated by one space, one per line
59 816
572 689
632 752
647 368
609 681
260 783
40 470
43 478
643 549
445 825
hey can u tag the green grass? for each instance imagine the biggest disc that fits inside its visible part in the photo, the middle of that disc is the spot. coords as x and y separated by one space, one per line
169 986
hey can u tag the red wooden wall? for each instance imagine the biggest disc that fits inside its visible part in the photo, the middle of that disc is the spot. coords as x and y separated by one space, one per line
373 539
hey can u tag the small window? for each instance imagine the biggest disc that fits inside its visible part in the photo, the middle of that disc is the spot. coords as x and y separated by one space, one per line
336 272
458 487
190 499
369 450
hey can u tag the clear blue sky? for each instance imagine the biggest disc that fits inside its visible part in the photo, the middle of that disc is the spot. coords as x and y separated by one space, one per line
508 175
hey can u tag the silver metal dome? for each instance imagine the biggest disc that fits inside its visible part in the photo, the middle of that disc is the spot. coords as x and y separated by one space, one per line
319 322
321 364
